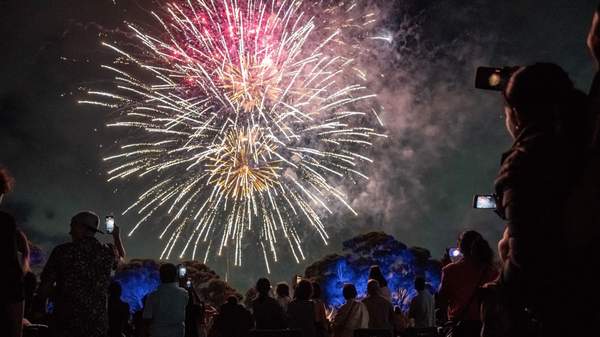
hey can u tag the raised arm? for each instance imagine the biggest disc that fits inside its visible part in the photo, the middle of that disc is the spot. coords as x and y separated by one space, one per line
116 234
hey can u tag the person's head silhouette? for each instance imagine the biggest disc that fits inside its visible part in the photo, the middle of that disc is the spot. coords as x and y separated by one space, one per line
544 96
168 273
263 286
373 288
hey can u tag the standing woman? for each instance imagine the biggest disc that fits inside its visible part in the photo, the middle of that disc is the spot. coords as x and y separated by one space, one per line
461 281
352 315
376 274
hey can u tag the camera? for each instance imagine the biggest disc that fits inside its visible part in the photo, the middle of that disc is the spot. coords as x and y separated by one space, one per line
484 201
496 79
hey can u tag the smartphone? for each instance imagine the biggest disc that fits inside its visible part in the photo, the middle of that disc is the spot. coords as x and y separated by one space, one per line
110 223
454 254
182 271
484 201
489 78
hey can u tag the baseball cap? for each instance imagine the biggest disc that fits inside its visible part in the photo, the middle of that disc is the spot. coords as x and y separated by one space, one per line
88 219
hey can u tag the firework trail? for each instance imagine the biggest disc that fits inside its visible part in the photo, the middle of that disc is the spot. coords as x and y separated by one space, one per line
247 115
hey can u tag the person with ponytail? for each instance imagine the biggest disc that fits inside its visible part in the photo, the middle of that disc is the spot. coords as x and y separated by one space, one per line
461 281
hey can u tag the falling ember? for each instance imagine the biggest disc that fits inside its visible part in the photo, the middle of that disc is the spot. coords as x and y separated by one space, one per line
248 115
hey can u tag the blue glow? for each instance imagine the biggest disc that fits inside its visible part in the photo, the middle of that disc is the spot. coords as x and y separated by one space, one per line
398 266
136 282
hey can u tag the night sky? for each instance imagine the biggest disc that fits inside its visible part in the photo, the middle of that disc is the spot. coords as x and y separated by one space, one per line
445 137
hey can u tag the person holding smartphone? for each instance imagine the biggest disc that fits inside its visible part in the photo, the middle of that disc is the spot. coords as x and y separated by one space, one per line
78 274
115 231
461 279
551 124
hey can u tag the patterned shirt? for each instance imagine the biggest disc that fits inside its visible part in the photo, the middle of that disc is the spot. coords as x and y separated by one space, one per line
81 271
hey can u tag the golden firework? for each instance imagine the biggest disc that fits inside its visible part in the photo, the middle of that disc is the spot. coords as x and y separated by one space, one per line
243 164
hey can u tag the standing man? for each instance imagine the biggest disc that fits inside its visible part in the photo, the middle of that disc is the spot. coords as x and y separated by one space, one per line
422 306
79 272
268 314
164 310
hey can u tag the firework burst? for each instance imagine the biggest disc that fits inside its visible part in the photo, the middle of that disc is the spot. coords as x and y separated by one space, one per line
247 115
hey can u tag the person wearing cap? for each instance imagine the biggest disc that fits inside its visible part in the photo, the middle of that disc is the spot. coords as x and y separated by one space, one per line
78 275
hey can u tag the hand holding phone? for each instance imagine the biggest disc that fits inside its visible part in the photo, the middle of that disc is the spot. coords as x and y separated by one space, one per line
454 254
182 271
110 224
496 79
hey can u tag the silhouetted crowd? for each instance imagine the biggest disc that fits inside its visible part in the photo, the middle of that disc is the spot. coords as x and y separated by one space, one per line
76 297
544 284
